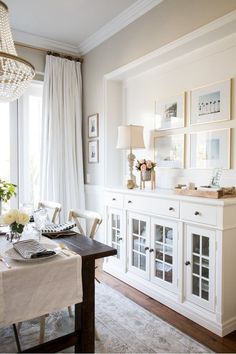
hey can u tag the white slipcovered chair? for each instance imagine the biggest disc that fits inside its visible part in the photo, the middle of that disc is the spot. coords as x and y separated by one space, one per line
89 216
53 210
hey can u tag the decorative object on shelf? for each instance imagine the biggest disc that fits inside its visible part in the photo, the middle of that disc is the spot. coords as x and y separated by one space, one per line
191 186
93 125
207 192
130 137
210 149
170 113
216 176
16 221
7 190
93 147
211 103
16 73
169 150
147 173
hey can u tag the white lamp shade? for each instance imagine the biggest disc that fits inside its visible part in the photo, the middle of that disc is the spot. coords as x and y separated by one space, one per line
130 137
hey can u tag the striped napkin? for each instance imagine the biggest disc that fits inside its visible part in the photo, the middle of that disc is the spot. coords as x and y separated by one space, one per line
52 228
32 249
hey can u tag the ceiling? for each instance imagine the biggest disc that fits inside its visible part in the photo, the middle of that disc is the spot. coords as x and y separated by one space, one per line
70 22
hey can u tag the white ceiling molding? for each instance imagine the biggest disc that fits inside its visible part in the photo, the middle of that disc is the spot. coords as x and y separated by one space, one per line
41 42
216 30
133 12
126 17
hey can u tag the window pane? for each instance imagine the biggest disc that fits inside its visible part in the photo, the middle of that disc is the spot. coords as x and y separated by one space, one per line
30 141
5 142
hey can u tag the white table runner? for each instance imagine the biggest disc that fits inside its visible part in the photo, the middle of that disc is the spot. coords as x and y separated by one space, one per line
30 290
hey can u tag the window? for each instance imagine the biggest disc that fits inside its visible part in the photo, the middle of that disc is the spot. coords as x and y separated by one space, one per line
20 126
5 141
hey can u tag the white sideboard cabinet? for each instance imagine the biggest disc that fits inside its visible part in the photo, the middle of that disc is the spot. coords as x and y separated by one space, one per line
179 250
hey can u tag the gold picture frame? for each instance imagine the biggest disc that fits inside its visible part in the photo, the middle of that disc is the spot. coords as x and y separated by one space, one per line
211 103
210 149
170 112
93 151
169 151
93 125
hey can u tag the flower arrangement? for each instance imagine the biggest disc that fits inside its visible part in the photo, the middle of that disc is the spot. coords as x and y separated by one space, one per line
145 165
16 220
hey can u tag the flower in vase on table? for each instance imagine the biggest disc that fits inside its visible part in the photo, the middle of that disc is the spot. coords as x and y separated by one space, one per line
145 165
16 220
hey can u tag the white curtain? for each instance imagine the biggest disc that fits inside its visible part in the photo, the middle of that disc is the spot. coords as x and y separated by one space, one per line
62 158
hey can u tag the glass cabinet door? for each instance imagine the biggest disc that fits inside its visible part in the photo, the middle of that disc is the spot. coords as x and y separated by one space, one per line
115 233
164 253
139 240
199 264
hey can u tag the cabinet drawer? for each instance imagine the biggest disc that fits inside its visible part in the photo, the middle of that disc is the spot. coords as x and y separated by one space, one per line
155 206
114 199
205 214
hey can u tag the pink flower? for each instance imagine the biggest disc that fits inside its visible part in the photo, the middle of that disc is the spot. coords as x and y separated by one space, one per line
143 167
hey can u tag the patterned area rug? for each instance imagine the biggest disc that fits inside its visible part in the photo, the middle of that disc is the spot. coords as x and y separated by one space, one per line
122 325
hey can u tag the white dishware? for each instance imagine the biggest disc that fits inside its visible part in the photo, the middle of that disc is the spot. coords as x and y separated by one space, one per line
11 253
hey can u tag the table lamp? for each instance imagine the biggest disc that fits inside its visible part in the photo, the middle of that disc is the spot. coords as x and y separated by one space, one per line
130 137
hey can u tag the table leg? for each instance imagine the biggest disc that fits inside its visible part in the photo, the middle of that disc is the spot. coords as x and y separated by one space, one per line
85 312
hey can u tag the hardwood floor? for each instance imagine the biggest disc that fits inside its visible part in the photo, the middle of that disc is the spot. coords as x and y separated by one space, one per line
200 334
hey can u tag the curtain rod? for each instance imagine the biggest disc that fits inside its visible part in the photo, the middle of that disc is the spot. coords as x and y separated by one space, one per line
51 52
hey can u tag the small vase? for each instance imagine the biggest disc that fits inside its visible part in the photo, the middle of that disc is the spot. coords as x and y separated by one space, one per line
146 175
13 236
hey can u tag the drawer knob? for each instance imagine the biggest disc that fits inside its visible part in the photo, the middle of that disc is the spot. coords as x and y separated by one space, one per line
120 239
171 209
114 199
151 250
146 248
129 201
187 263
196 213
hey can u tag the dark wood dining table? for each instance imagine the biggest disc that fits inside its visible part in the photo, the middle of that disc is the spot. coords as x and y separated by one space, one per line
83 336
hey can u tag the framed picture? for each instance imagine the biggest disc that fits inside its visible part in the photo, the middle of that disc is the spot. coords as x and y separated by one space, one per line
93 151
169 151
170 113
93 126
211 103
210 149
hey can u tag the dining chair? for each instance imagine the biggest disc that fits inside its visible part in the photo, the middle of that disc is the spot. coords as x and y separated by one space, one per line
87 215
53 210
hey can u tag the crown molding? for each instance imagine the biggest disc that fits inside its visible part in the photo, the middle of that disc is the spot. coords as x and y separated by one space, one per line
139 8
126 17
41 42
218 29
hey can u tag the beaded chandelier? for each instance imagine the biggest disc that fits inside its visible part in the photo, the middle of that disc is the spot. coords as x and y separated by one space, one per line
15 72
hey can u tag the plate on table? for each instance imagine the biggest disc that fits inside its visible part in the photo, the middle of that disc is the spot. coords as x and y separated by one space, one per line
12 254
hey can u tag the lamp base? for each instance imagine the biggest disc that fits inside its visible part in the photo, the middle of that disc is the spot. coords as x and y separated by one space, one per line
130 184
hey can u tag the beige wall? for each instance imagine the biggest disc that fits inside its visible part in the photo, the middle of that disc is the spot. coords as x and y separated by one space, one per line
163 24
35 57
208 65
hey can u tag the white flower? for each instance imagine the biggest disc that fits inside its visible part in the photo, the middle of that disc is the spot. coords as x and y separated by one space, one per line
22 218
10 217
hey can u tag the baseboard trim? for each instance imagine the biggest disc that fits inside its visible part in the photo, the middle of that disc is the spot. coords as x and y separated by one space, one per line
229 326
